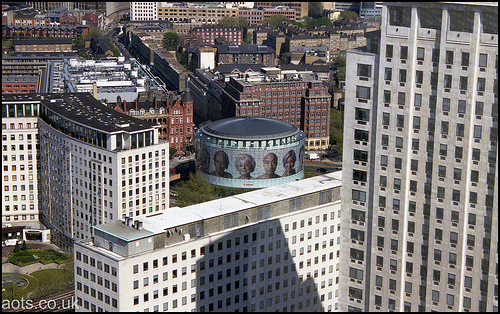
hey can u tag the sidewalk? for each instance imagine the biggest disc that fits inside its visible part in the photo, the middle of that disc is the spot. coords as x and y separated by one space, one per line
11 268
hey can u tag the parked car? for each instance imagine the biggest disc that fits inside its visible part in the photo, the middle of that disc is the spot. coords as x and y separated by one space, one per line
313 156
322 170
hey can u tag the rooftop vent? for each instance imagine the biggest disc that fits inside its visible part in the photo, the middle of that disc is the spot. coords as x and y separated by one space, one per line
122 125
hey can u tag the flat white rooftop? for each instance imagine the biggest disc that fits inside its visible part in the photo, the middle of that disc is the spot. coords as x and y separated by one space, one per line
176 216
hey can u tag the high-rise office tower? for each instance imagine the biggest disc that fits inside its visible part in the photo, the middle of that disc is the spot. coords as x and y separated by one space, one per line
419 196
96 165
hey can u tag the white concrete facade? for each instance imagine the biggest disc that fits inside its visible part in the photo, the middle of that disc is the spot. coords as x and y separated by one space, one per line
285 258
143 11
19 162
421 163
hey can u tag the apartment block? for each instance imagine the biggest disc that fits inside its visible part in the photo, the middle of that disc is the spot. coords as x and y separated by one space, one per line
207 34
204 13
420 162
273 249
46 45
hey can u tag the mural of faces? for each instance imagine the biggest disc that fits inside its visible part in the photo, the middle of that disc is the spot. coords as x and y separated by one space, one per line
289 163
245 164
221 162
302 154
270 162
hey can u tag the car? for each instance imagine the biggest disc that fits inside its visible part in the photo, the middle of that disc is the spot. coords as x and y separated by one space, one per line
322 170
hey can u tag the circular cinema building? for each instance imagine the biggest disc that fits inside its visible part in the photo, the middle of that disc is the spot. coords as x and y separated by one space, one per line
250 152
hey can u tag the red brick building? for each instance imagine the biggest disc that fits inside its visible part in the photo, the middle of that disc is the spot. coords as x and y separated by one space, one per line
207 34
302 101
174 114
20 84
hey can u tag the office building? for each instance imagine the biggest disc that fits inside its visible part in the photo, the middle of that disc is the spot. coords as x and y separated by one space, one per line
96 165
209 13
20 187
296 98
143 11
273 249
420 163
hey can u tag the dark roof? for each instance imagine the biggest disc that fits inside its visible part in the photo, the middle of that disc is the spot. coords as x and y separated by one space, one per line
187 96
42 41
222 49
242 67
250 128
308 67
84 109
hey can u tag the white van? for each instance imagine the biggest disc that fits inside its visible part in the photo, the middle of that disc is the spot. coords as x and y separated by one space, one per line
313 156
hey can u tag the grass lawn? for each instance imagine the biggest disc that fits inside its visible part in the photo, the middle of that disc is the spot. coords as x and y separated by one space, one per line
50 281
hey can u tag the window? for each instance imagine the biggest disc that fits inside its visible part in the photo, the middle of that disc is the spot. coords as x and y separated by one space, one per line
400 121
389 51
477 131
363 92
481 84
364 70
404 52
420 53
463 83
359 195
483 60
386 118
416 123
362 114
419 77
402 76
465 59
447 81
388 75
418 100
401 98
449 57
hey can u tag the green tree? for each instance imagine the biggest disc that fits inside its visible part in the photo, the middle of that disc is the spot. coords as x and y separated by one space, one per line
182 58
230 21
170 40
24 247
337 130
195 190
315 9
308 23
274 20
248 39
340 65
322 21
348 15
17 248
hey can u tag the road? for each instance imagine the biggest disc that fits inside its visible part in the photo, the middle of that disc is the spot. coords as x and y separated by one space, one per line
312 166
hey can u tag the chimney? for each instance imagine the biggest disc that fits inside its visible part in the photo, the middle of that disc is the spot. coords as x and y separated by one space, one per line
136 104
129 221
125 106
139 225
156 104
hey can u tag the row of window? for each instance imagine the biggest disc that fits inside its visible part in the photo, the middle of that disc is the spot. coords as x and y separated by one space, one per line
20 126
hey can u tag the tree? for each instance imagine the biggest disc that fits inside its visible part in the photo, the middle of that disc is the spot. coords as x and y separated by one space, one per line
348 15
170 40
195 190
340 65
17 248
230 21
315 9
274 20
337 130
24 248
